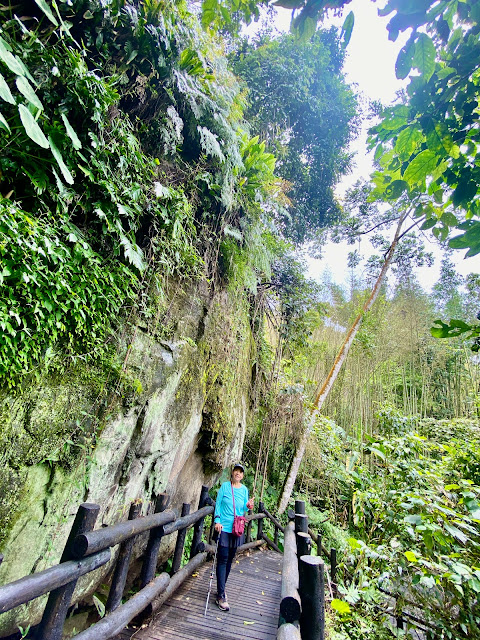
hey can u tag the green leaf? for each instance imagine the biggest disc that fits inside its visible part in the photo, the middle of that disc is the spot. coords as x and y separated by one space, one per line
428 581
340 606
456 533
87 172
26 90
347 28
403 64
5 92
411 557
133 253
47 11
32 128
440 140
424 56
408 141
286 4
99 605
354 544
304 27
234 233
395 189
394 117
469 240
416 519
71 133
455 328
420 167
378 453
464 192
428 224
12 62
475 584
4 123
449 219
58 157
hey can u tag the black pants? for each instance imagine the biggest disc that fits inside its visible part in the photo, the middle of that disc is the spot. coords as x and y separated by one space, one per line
225 557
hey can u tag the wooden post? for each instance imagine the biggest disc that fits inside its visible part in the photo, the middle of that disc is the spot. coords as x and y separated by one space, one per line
249 531
288 632
275 535
53 619
150 563
301 523
319 544
304 544
312 595
1 558
198 528
260 523
300 506
333 570
212 529
178 553
123 561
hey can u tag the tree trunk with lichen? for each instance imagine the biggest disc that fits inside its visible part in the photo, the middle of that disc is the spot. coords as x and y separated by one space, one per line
332 376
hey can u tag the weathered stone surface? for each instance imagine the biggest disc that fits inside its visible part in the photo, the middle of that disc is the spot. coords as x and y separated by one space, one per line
183 422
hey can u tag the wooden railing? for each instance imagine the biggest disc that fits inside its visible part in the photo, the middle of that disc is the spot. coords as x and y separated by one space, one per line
302 605
87 549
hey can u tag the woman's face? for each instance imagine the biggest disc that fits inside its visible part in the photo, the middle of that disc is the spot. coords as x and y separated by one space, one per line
237 475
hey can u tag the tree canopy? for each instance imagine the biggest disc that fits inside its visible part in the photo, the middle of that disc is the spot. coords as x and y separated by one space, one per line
300 104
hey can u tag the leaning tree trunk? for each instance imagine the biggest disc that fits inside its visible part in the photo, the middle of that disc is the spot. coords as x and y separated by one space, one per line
332 376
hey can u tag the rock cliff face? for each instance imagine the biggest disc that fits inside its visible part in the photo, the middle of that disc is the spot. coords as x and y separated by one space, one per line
178 422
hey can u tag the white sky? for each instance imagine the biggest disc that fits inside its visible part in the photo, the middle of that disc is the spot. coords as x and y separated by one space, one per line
370 66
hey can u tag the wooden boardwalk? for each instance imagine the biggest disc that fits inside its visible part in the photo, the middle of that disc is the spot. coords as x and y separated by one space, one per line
253 591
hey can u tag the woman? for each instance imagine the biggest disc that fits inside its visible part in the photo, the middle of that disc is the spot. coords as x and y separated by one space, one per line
227 542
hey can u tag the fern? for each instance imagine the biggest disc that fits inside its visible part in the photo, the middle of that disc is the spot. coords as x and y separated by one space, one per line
210 144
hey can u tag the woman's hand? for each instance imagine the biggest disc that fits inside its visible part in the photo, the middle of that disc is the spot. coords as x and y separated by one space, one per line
218 527
250 504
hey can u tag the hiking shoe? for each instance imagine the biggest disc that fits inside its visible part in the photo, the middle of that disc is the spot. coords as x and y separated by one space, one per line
222 604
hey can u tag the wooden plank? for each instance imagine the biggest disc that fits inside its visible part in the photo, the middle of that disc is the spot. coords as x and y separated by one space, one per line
182 616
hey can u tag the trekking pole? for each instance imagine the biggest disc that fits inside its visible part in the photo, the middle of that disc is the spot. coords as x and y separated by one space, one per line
212 573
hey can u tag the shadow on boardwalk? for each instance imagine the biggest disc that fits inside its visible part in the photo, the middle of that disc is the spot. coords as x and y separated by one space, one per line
253 591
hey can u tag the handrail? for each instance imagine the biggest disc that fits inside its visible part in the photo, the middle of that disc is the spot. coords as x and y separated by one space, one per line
274 520
115 622
30 587
303 587
87 543
290 607
90 549
255 516
187 521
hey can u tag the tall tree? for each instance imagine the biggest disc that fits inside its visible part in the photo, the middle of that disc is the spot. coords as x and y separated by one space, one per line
322 394
300 104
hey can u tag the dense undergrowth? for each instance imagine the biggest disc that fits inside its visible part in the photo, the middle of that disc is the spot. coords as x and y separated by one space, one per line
124 155
403 513
391 472
126 158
